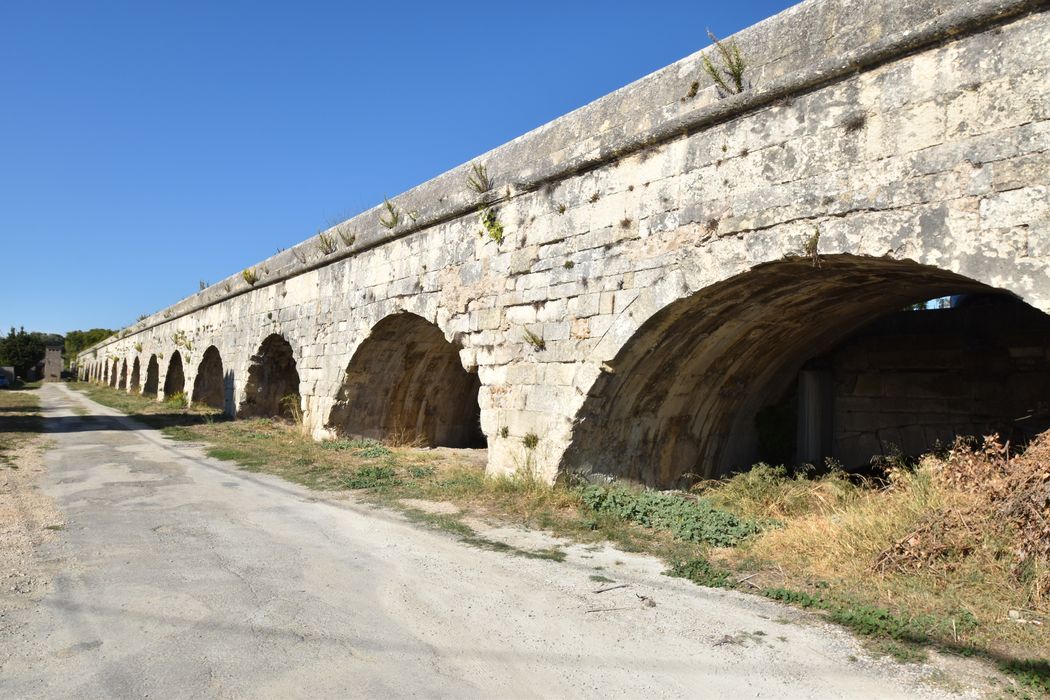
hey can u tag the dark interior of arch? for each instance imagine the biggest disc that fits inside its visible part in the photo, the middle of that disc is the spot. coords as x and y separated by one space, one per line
114 373
136 376
209 387
405 382
175 379
791 363
150 386
273 381
122 383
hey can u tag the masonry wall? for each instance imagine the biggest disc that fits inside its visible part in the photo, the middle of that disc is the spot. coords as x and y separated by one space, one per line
887 151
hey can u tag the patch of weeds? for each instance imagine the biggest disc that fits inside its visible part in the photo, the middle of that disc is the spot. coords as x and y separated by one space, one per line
694 89
504 432
1031 674
392 216
692 520
530 441
299 255
55 528
569 264
421 472
348 237
250 276
325 243
250 461
598 578
625 222
595 197
536 341
490 222
478 178
362 447
729 77
810 249
700 571
560 208
178 399
371 477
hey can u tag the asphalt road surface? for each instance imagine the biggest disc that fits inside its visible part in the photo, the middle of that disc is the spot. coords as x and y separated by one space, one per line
178 576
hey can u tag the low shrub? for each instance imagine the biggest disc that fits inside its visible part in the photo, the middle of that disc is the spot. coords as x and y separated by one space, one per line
693 520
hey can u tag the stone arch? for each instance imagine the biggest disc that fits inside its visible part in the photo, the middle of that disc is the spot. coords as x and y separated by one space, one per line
113 373
122 382
135 382
680 398
152 383
272 388
406 382
175 377
209 386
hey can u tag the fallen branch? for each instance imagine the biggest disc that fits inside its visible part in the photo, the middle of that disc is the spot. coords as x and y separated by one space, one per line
612 588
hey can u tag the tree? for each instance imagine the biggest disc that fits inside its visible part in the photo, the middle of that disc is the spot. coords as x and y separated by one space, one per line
22 350
76 341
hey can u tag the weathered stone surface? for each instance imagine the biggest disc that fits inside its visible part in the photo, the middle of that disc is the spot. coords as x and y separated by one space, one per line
657 279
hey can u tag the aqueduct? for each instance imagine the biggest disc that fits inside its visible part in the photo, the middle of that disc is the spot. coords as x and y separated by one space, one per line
675 281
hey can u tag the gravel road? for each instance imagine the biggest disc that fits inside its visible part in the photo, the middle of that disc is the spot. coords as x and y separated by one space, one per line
178 576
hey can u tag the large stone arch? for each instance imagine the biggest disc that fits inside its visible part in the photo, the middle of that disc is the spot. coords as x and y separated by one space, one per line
122 381
152 382
113 373
273 386
175 376
679 397
405 382
209 386
135 381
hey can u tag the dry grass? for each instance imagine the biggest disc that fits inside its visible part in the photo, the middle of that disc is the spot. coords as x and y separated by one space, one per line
834 533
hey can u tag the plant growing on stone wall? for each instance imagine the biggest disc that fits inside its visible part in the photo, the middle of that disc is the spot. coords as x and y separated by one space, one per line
392 217
250 276
811 246
729 77
138 347
478 178
203 285
504 432
347 236
536 341
325 243
143 317
180 340
299 255
491 223
226 286
530 440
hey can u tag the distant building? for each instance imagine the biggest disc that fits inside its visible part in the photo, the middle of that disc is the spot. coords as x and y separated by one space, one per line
53 363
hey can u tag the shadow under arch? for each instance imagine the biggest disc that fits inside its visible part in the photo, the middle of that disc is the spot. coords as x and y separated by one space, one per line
135 382
122 382
152 383
679 401
406 383
272 389
175 377
209 384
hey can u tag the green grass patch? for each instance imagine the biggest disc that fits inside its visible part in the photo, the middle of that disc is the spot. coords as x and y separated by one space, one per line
693 520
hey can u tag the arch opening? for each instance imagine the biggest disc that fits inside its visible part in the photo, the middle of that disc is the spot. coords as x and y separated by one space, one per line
209 387
135 383
152 383
113 373
272 388
405 383
175 377
791 363
122 382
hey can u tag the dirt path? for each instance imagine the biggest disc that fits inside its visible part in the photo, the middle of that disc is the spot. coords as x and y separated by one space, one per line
183 577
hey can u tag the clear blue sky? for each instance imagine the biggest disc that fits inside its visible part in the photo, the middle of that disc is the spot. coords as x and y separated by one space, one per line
145 146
